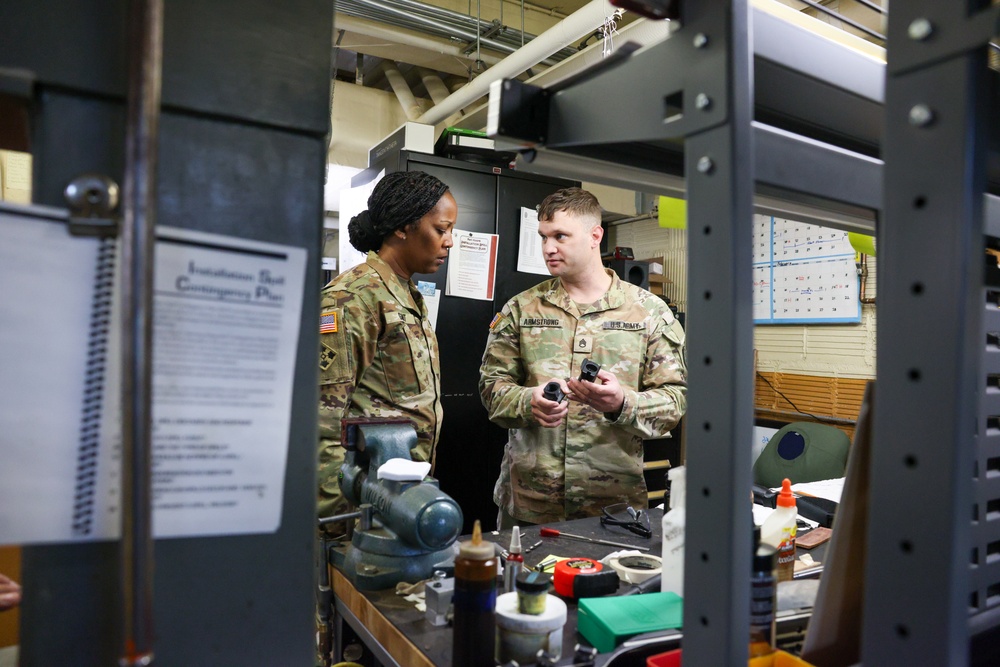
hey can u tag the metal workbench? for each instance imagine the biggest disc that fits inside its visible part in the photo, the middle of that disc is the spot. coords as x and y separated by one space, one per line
789 119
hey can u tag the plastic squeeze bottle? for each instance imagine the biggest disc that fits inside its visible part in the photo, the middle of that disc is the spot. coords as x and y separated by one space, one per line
779 531
672 579
475 601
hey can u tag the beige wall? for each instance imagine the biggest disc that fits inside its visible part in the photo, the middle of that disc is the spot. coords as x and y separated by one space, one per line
361 117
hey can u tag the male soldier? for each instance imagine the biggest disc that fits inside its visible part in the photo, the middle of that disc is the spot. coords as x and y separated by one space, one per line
569 459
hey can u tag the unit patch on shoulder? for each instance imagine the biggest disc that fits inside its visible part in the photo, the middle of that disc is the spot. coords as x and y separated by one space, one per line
619 325
329 321
539 322
327 355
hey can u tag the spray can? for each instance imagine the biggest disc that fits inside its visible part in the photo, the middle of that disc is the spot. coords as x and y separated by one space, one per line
779 531
475 600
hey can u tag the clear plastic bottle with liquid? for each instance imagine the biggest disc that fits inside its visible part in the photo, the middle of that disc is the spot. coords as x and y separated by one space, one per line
672 577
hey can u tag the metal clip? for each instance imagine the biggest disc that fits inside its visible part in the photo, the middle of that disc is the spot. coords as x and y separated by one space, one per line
93 201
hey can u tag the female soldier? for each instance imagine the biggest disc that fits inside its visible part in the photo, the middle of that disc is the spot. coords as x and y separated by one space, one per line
379 356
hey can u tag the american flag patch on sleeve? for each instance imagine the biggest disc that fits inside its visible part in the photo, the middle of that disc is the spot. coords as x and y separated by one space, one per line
496 320
329 322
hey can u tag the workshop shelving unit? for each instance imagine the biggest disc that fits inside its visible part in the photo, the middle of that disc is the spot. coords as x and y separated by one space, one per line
805 139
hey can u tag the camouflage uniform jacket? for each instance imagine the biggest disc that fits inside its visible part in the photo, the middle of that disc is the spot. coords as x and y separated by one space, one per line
590 460
379 357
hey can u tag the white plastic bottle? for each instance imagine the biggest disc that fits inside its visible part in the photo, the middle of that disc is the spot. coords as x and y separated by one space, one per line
673 534
779 531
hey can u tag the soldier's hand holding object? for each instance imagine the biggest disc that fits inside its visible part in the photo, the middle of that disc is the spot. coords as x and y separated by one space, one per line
548 413
10 593
607 396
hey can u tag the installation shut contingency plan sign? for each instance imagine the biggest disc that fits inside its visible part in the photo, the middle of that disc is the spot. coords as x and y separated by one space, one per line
226 330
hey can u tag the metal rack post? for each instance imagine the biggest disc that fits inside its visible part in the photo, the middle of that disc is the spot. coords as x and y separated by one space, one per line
931 255
719 171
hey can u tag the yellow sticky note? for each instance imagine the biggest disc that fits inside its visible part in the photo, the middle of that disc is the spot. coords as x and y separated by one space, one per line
862 243
672 213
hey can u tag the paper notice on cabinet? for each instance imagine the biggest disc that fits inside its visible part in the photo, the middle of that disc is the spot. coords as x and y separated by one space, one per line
472 264
529 246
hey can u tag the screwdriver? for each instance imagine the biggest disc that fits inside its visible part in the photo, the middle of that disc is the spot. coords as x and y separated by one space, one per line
552 532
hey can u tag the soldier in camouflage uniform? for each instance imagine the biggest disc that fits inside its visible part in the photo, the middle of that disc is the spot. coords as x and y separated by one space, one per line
379 356
567 460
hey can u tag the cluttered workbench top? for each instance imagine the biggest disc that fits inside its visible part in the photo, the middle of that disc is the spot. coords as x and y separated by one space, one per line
409 638
434 642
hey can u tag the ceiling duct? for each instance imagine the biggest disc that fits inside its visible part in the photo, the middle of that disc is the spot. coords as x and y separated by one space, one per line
434 85
446 24
382 41
577 25
402 90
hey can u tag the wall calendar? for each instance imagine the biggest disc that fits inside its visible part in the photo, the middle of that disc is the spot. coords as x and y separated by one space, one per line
803 273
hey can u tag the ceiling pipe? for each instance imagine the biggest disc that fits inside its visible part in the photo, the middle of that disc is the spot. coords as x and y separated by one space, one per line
444 23
574 27
379 31
438 91
418 21
434 85
402 90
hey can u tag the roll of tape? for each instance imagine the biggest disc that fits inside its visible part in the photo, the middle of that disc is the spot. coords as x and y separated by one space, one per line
636 569
567 570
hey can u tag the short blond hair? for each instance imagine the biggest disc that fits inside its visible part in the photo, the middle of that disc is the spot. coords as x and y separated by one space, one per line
575 201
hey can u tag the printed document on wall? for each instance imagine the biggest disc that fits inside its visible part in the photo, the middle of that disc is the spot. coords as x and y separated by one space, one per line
529 249
226 332
472 264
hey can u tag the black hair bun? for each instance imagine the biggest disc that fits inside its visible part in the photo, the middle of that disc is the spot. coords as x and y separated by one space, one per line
361 233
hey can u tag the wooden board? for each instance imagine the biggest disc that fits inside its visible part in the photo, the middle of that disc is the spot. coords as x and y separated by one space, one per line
10 565
818 395
395 643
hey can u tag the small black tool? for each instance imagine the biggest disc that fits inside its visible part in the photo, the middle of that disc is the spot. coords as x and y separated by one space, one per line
553 392
764 496
651 584
588 370
820 510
